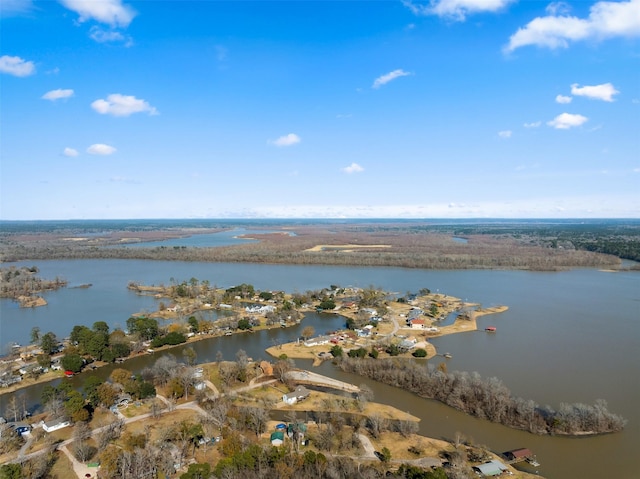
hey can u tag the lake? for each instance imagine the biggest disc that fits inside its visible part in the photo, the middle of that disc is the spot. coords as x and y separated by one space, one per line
567 337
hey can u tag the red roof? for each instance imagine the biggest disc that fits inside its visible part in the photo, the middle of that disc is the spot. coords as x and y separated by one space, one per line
68 373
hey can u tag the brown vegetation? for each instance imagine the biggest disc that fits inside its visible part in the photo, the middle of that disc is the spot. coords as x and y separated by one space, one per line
391 246
488 398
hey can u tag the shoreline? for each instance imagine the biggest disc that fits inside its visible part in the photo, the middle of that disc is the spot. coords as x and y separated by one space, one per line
449 305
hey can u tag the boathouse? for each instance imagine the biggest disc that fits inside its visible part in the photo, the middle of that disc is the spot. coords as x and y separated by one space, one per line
518 455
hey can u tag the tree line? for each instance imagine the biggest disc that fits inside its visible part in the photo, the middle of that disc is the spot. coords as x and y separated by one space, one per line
487 398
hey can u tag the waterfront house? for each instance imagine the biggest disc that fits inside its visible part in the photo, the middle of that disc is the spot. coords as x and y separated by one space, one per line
299 394
320 340
491 468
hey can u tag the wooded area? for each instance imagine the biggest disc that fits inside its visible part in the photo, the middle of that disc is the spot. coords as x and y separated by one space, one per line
539 247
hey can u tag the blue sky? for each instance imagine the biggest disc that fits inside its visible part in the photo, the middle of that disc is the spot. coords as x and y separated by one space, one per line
433 109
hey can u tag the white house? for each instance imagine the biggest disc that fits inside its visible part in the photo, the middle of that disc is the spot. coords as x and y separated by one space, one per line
54 425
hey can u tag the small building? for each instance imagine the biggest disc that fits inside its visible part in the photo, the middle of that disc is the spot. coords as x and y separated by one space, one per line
299 394
517 455
491 468
277 438
417 323
54 425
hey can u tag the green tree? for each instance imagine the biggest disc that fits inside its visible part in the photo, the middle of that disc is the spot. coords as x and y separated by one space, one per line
197 471
11 471
327 304
336 351
244 324
385 455
49 343
145 328
101 327
419 353
193 324
72 362
35 335
266 295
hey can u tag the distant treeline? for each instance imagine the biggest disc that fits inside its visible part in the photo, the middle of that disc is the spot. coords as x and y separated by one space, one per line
487 398
463 257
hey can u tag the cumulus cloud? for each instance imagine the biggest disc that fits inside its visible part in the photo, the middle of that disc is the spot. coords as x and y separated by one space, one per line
122 105
505 134
58 94
286 140
563 99
534 124
387 77
70 152
16 66
558 29
455 9
353 168
111 12
565 121
101 149
602 92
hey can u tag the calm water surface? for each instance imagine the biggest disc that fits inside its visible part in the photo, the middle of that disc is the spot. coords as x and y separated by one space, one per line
567 337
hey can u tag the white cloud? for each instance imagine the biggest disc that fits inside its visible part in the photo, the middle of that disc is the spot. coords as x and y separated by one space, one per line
606 19
16 66
101 149
565 121
286 140
111 12
386 78
109 36
563 99
534 124
70 152
602 92
353 168
505 134
122 105
54 95
456 9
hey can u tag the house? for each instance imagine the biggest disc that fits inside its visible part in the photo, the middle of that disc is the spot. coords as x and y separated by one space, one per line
172 308
491 468
300 393
317 341
54 425
417 323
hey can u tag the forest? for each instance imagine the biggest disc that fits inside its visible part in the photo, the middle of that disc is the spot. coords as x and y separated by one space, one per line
536 246
487 398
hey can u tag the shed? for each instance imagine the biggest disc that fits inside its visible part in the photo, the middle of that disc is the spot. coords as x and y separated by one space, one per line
491 468
277 438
